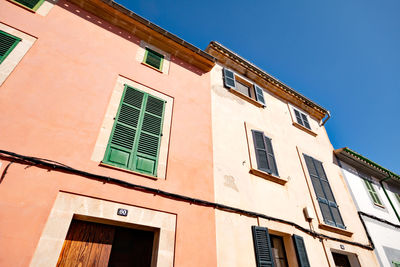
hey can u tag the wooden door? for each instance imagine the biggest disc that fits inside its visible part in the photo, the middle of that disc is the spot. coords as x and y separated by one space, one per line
87 244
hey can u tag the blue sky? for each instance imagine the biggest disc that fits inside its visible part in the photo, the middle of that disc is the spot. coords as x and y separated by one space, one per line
344 55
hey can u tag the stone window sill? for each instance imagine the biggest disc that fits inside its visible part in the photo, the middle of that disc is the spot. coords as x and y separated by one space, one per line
335 229
268 176
301 127
151 67
128 171
245 97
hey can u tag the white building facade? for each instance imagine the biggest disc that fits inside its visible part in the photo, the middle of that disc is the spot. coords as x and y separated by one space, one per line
376 194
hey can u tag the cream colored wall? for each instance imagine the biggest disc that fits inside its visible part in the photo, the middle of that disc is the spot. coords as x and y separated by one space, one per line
236 186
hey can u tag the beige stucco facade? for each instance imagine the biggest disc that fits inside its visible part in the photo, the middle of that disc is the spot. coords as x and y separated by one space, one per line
238 183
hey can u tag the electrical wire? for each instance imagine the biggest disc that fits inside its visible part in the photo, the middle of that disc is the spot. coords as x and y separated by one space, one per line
62 167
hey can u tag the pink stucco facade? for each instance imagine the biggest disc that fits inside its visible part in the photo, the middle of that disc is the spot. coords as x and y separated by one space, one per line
52 106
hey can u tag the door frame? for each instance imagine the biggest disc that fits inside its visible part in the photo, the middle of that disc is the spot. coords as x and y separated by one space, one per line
68 206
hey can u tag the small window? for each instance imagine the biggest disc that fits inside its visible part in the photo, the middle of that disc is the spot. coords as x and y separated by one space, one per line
302 118
264 153
252 91
153 59
31 4
374 195
397 197
7 44
327 203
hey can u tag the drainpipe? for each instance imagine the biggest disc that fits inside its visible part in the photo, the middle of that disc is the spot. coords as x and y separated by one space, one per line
326 118
387 196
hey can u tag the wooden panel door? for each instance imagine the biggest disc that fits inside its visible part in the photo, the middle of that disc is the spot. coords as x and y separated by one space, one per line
87 244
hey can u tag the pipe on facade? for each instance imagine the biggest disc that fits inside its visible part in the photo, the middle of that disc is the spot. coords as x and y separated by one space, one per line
387 196
328 116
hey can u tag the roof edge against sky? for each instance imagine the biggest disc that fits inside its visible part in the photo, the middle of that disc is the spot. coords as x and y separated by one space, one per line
267 76
346 152
126 19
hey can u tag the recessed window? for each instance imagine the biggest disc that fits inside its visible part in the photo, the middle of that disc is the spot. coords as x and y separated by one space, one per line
397 197
301 118
31 4
245 88
264 153
7 43
371 189
135 139
327 203
153 59
270 249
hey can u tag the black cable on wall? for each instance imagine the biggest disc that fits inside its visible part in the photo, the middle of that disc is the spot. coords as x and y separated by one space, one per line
54 165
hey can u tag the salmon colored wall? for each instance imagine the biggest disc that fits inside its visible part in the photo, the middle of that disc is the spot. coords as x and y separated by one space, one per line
52 106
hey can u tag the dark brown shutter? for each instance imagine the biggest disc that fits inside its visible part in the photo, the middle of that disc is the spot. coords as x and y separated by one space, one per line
229 79
261 151
301 251
262 247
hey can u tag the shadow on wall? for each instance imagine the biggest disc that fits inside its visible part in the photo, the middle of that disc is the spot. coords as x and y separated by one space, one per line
117 31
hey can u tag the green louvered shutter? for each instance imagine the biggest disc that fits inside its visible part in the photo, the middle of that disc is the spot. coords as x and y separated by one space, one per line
229 79
28 3
7 44
262 247
150 136
135 139
372 192
154 59
301 251
323 191
259 94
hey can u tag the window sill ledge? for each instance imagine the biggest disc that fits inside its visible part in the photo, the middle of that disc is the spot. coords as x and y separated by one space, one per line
151 67
335 229
301 127
128 171
379 205
268 176
245 97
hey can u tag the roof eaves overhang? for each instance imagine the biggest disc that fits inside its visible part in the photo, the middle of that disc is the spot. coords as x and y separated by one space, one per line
264 75
357 160
151 33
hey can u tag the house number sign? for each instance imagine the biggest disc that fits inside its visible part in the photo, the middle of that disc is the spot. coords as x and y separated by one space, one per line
122 212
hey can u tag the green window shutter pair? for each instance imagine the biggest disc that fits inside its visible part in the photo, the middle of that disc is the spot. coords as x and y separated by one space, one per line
153 59
264 153
32 4
230 82
7 44
302 119
323 191
136 135
372 192
263 248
